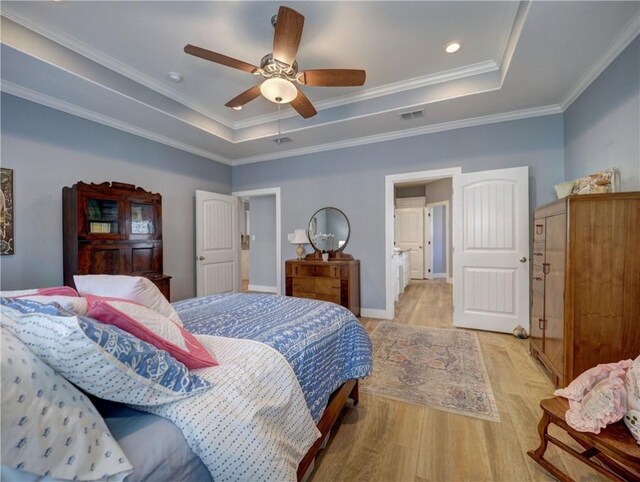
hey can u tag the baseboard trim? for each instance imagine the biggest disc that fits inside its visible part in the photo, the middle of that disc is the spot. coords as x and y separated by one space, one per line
373 313
263 289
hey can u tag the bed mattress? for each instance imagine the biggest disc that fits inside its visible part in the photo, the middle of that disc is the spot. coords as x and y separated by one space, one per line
324 343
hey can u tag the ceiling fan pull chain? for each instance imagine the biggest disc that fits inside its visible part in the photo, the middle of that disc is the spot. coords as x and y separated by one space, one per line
279 133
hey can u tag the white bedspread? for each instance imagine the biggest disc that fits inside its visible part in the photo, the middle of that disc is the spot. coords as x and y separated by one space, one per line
253 424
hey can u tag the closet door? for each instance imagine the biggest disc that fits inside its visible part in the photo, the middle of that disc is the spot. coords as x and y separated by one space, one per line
410 235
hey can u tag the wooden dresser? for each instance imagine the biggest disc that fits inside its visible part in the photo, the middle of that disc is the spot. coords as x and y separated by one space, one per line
586 283
113 228
336 280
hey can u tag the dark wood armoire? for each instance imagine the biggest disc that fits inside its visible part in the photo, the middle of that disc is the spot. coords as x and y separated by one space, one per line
113 228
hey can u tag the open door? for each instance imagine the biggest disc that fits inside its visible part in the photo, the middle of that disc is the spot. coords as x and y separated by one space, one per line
217 243
491 246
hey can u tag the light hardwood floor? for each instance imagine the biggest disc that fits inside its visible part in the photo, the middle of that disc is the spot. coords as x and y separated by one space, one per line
388 440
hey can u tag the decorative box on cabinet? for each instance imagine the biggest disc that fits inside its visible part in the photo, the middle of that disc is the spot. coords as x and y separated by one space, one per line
336 280
586 283
113 228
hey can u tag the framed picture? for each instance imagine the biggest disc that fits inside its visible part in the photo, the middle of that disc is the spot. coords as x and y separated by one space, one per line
6 211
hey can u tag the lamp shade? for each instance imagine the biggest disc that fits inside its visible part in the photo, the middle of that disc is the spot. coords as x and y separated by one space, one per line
278 90
300 237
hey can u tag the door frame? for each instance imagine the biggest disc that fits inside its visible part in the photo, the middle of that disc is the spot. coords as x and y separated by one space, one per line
389 182
268 191
447 238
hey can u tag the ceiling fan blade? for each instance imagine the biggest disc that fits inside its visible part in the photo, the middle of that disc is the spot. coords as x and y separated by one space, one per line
218 58
245 97
303 106
287 36
333 77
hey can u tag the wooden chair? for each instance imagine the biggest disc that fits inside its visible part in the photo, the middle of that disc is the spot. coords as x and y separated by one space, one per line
614 447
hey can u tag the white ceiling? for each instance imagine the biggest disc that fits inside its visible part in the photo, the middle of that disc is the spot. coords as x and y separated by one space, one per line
107 61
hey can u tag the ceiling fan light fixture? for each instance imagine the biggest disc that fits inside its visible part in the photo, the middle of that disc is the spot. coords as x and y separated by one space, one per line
237 107
278 90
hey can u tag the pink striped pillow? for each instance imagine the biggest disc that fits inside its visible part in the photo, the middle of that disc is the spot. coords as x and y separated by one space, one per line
53 291
152 327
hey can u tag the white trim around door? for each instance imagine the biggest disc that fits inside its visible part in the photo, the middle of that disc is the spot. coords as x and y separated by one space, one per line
389 182
270 191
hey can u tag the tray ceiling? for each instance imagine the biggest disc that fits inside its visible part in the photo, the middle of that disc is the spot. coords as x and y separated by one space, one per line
108 62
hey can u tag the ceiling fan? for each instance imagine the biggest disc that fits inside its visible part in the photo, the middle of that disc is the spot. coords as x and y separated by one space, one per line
280 69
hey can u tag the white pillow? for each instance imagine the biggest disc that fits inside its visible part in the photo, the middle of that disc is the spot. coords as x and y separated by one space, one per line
49 427
73 304
564 189
133 288
100 359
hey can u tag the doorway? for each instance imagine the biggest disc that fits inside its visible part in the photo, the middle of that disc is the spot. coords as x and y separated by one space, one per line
260 236
392 182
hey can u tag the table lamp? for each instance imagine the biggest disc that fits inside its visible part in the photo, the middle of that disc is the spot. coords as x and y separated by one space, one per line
300 238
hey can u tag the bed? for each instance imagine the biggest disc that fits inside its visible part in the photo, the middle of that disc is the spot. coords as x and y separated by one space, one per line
325 348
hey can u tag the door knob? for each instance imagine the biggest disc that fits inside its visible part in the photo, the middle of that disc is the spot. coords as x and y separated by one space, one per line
523 259
201 258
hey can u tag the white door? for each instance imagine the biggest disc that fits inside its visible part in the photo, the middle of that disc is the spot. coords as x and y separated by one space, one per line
427 242
217 243
491 247
410 235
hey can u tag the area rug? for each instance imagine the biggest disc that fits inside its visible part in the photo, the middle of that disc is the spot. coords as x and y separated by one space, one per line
436 367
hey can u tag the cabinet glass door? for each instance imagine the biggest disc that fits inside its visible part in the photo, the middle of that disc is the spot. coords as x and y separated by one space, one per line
142 218
102 216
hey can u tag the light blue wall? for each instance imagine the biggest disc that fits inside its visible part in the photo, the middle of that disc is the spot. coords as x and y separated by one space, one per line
353 180
49 149
602 127
262 265
439 240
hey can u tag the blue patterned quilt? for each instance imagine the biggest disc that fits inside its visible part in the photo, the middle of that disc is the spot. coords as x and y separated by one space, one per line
324 343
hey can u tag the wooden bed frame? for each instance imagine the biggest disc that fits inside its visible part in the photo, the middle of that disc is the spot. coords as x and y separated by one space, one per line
348 389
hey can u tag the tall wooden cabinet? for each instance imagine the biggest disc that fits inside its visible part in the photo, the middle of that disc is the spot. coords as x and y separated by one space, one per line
336 280
113 228
586 283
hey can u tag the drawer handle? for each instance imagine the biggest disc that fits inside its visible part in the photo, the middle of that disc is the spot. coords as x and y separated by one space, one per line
537 254
539 228
541 323
537 278
546 267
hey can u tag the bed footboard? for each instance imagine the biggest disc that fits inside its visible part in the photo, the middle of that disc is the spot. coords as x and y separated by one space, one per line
348 389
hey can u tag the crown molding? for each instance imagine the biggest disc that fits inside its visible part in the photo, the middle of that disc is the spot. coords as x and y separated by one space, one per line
121 68
43 99
388 89
417 131
111 63
627 35
514 38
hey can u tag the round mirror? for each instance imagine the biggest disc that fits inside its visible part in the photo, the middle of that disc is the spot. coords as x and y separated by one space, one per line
328 230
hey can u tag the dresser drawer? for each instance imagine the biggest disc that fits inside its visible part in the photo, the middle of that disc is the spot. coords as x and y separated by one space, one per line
312 270
325 297
304 284
328 286
303 294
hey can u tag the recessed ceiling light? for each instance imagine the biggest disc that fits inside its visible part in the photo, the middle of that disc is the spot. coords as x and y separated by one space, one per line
174 77
452 47
238 107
